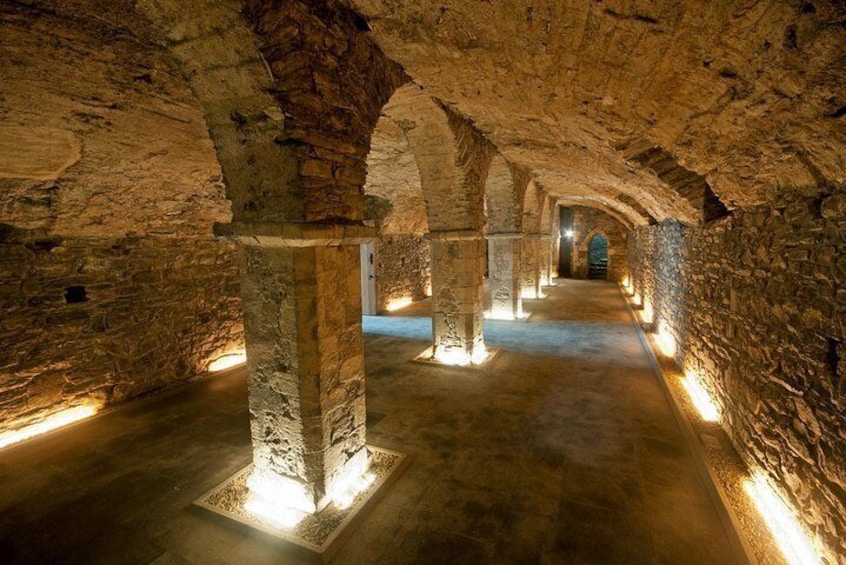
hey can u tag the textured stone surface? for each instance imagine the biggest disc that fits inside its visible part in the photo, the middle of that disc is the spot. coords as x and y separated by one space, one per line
457 293
302 318
452 157
152 312
530 266
123 150
749 95
504 262
588 222
403 268
762 323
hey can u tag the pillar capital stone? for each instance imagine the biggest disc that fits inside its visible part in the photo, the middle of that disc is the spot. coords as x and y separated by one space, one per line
455 235
505 235
289 234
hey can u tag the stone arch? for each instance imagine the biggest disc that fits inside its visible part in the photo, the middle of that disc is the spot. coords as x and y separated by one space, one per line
290 96
614 208
452 158
589 222
504 193
394 201
291 93
595 237
532 204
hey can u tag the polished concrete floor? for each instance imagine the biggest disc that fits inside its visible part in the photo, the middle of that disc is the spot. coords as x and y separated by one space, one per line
564 451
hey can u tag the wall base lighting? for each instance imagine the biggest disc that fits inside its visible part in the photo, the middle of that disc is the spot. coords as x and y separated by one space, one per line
787 532
706 407
398 304
48 424
227 361
647 314
666 341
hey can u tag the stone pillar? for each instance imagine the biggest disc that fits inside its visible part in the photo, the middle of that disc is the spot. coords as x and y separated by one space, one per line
546 260
504 256
530 283
458 264
301 294
556 251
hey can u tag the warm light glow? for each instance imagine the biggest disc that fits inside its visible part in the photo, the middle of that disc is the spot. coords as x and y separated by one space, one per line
787 532
50 423
459 356
666 341
505 314
636 300
626 282
227 361
532 294
270 489
706 407
647 314
428 290
398 303
344 498
280 517
480 353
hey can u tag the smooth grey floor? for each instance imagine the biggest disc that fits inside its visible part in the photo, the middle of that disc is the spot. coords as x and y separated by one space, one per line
564 451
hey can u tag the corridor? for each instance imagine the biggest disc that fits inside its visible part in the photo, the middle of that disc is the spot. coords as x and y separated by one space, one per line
563 450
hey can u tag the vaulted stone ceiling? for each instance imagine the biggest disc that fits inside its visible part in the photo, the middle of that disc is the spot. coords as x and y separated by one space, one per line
751 95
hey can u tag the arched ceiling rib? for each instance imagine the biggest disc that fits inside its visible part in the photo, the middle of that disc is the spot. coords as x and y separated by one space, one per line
749 96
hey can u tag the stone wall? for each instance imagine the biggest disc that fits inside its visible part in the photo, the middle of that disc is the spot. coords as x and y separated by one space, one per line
755 303
403 268
586 223
105 320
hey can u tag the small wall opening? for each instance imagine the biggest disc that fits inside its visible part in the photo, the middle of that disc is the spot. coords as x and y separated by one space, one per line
598 257
75 294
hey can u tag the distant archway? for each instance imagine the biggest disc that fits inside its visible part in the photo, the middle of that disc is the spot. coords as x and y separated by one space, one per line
598 257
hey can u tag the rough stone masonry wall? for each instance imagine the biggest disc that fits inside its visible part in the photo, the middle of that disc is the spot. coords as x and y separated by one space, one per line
586 223
403 269
154 312
756 304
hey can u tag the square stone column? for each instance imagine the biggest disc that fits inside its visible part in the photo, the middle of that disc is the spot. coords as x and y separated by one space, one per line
530 271
556 251
458 266
301 296
504 257
546 260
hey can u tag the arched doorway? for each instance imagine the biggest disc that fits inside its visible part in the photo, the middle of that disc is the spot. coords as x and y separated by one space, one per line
598 257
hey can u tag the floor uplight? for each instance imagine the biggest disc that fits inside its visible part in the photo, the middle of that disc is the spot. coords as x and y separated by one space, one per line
666 341
227 361
50 423
398 304
788 534
706 407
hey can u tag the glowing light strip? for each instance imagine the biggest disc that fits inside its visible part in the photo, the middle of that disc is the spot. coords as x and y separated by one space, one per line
271 489
788 534
701 399
666 341
459 356
50 423
647 314
398 304
227 361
